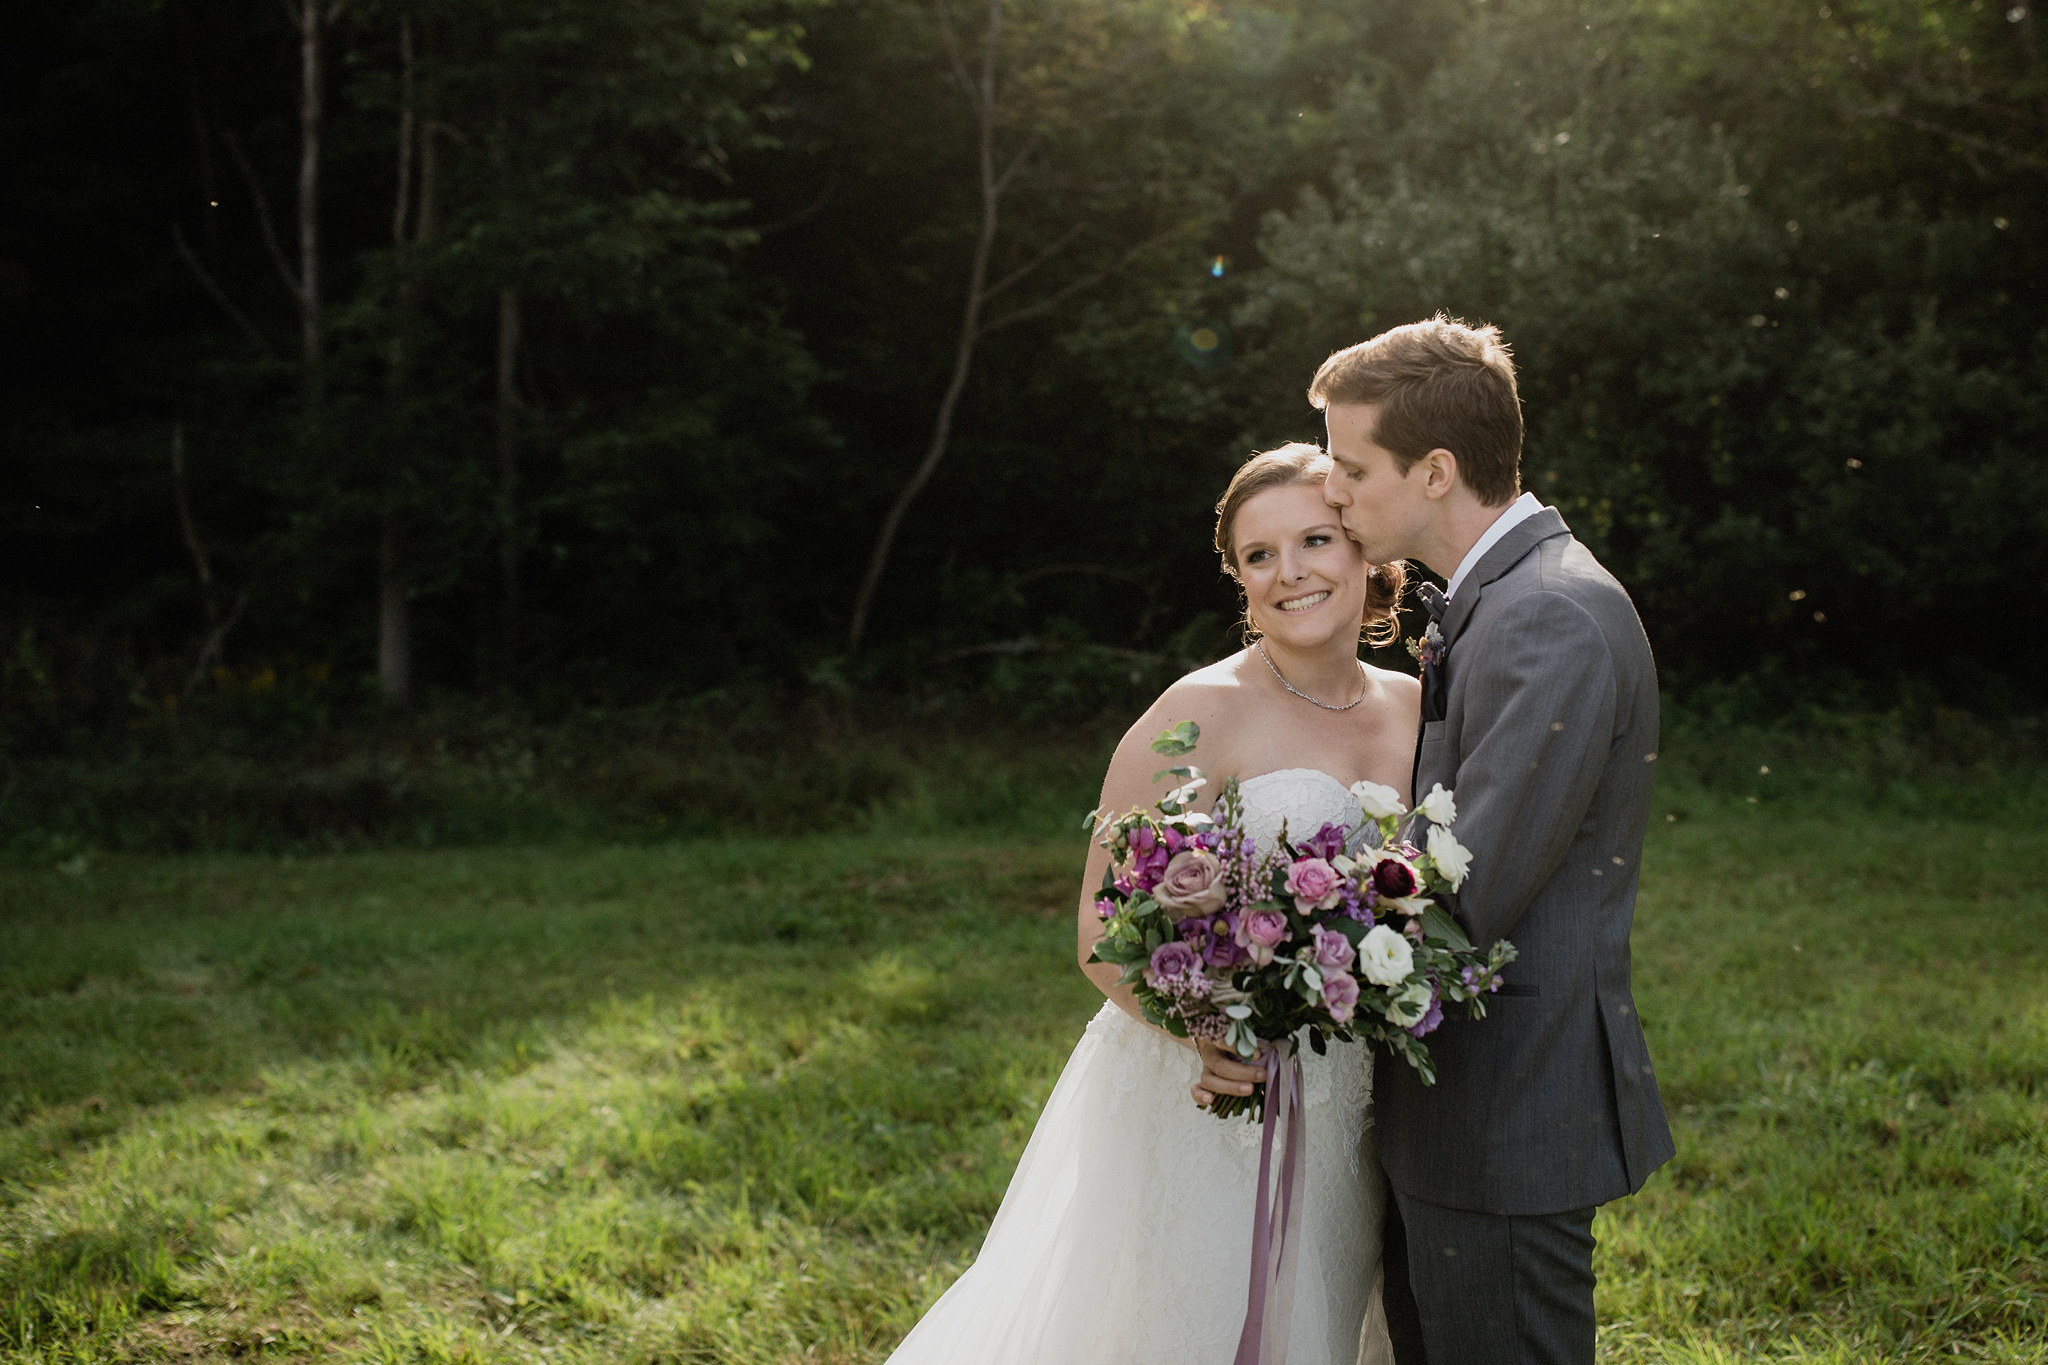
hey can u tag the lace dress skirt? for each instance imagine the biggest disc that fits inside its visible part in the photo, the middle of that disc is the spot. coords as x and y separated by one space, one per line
1125 1235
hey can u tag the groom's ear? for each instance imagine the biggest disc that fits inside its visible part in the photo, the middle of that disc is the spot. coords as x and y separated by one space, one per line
1439 472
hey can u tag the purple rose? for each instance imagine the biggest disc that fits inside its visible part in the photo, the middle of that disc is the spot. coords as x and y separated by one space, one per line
1433 1016
1314 884
1340 995
1394 878
1172 961
1191 885
1326 843
1259 932
1334 952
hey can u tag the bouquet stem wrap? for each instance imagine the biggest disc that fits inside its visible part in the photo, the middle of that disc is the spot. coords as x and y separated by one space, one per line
1276 1220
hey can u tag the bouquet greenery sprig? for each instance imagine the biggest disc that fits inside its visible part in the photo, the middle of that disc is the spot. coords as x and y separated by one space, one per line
1343 935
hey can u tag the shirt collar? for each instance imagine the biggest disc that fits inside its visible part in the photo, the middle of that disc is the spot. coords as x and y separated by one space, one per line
1518 511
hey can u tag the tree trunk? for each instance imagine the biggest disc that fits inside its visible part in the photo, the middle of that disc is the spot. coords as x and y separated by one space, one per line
394 604
201 566
508 467
311 112
394 620
970 333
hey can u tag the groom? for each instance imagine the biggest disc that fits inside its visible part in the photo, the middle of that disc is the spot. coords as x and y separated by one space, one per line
1539 712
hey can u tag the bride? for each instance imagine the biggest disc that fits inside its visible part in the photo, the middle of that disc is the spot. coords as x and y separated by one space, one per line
1125 1235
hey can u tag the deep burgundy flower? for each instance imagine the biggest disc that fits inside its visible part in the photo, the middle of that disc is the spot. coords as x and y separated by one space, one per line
1393 878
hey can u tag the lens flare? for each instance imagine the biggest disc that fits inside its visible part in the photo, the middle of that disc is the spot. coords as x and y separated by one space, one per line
1204 344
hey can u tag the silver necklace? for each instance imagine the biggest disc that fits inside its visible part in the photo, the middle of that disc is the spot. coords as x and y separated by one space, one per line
1260 645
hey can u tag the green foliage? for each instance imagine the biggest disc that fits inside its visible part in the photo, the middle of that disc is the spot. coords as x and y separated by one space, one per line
1773 277
1755 382
749 1100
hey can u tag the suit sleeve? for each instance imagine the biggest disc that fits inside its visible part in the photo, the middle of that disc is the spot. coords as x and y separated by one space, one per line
1538 721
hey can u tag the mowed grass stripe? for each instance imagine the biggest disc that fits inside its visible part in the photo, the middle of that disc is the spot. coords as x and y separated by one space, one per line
755 1101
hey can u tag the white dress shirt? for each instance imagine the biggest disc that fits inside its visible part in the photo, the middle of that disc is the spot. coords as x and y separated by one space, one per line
1518 511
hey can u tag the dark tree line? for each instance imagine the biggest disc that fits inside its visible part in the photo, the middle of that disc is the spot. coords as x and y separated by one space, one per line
587 351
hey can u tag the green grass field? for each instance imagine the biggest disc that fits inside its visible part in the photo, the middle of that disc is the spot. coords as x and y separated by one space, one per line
755 1101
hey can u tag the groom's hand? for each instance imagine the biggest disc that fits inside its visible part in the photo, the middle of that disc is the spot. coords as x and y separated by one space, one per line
1223 1073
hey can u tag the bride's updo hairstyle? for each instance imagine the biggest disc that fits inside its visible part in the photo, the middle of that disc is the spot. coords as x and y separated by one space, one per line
1284 467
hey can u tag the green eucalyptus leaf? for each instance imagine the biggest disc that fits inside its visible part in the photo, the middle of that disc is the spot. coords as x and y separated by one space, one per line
1439 925
1177 740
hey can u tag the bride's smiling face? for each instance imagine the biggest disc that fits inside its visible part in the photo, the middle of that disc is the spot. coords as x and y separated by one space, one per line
1304 580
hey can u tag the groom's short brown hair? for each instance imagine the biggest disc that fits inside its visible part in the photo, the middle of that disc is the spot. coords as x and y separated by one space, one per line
1438 383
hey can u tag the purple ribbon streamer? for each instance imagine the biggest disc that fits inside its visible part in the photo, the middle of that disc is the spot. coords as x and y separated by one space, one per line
1276 1223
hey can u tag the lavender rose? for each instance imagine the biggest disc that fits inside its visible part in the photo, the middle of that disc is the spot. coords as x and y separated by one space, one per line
1172 961
1259 932
1340 995
1314 884
1334 952
1191 885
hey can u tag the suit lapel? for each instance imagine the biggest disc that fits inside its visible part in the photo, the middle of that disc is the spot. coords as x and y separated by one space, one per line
1497 561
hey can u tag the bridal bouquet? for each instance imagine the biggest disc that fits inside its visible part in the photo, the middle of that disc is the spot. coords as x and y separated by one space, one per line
1340 934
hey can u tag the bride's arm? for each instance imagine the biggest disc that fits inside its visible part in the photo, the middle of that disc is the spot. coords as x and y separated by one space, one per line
1129 784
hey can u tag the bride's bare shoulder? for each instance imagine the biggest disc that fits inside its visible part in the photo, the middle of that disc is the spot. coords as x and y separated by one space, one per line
1211 697
1210 694
1402 687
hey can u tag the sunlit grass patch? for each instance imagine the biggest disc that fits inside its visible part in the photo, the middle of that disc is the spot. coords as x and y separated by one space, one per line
755 1102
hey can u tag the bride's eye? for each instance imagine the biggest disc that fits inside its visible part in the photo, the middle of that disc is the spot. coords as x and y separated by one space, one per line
1317 542
1257 556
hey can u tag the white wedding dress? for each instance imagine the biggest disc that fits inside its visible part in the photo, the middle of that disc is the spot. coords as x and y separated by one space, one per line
1125 1235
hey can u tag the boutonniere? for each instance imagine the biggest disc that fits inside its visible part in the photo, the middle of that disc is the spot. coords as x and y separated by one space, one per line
1429 650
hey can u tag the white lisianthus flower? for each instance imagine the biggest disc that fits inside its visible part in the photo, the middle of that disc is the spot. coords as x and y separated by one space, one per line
1386 957
1453 860
1377 801
1406 1009
1438 808
1408 905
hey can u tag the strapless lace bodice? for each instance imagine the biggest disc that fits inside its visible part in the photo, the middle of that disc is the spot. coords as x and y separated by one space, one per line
1302 800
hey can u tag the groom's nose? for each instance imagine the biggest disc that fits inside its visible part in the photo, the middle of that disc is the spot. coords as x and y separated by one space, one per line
1333 491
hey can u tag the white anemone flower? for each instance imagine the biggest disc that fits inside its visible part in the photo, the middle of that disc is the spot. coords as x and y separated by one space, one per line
1377 801
1452 859
1438 808
1406 1009
1385 957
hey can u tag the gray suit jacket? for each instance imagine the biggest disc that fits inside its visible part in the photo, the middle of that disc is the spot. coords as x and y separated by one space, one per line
1549 742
